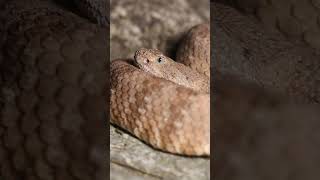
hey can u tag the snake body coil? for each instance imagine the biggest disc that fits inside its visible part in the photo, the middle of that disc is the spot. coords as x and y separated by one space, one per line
52 77
164 114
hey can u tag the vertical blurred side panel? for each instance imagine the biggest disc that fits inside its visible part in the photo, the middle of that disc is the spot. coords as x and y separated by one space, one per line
265 91
54 93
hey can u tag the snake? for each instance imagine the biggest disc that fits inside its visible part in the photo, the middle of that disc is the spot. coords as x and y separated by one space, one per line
266 111
269 59
161 101
296 20
245 47
52 95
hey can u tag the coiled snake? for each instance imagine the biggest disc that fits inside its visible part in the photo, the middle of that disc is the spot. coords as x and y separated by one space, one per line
172 116
51 99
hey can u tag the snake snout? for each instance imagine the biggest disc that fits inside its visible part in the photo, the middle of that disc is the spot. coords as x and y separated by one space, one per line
140 56
142 60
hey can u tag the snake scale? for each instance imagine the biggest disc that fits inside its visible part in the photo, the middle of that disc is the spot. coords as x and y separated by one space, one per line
53 96
162 101
268 128
297 20
53 91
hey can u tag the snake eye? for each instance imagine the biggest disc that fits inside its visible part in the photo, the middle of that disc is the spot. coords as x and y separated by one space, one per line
160 59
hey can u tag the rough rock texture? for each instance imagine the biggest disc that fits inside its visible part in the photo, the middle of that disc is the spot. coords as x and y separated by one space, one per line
53 83
153 24
136 158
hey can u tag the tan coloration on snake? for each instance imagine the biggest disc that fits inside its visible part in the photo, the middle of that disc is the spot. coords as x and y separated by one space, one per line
193 48
150 103
154 62
45 135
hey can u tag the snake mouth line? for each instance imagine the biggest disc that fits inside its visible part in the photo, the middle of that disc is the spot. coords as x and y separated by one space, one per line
135 63
131 62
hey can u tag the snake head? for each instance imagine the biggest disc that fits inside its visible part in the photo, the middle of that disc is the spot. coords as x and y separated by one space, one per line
151 61
149 56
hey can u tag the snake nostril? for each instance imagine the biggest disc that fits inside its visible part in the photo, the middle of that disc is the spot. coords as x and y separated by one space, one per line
146 61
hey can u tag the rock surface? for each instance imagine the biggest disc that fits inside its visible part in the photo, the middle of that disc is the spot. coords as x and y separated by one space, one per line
130 157
152 24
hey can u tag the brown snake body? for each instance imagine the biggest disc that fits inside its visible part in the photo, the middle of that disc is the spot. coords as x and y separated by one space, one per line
52 98
164 114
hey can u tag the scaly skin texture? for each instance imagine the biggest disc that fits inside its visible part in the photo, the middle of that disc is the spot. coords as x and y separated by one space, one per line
242 45
158 111
194 50
154 62
52 77
297 20
258 135
163 114
96 10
